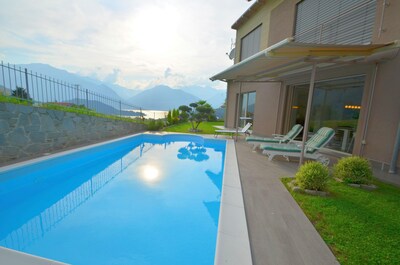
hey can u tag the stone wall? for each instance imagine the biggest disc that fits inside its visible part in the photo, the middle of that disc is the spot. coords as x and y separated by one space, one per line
27 131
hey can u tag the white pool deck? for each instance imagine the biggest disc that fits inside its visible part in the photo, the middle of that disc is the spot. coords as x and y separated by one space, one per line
279 231
233 245
12 257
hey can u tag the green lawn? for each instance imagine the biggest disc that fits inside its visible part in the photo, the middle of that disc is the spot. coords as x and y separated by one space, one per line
14 100
361 227
204 127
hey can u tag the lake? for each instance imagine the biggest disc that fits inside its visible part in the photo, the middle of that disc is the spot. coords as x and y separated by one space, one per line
153 114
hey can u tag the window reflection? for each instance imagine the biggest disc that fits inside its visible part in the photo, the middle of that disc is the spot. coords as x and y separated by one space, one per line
247 103
336 104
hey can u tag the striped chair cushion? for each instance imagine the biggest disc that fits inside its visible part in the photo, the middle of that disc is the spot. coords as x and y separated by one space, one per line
293 133
319 139
261 139
288 148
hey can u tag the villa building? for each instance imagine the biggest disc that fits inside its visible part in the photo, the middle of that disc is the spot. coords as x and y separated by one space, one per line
346 52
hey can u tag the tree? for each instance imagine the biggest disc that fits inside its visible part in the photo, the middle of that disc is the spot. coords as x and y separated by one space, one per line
20 92
193 151
175 116
197 112
169 117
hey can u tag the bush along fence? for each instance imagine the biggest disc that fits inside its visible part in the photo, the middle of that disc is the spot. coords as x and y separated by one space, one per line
38 89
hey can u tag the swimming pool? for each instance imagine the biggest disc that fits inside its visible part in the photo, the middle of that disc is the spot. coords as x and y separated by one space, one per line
146 199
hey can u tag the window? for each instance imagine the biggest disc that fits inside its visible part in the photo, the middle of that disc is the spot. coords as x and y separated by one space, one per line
336 104
247 104
250 43
335 22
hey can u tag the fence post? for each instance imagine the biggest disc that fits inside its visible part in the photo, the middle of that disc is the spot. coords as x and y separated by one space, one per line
120 109
27 85
77 95
4 80
87 99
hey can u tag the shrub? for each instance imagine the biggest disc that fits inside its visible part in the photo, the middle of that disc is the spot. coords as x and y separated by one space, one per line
353 169
160 124
312 176
155 125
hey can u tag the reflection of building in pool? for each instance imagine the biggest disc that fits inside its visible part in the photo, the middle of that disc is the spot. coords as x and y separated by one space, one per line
213 210
217 179
38 221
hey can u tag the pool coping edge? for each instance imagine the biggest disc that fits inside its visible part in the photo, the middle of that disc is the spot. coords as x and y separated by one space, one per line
233 244
14 257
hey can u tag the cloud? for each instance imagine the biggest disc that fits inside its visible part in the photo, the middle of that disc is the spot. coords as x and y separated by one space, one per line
113 77
133 43
167 72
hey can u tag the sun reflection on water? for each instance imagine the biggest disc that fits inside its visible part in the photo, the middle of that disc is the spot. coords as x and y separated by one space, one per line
149 173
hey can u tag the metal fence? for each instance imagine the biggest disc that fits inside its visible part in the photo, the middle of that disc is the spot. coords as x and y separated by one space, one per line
41 89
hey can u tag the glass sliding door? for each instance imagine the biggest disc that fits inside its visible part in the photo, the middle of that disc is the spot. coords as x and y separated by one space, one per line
247 106
298 106
336 104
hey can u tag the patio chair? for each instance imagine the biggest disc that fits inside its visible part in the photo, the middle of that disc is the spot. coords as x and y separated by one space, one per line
311 151
276 138
244 130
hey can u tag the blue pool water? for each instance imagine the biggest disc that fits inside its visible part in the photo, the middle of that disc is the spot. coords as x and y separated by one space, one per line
147 199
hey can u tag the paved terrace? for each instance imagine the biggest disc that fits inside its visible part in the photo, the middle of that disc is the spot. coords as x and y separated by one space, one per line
279 231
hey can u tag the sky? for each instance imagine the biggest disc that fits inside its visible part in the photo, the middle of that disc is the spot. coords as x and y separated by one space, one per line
132 43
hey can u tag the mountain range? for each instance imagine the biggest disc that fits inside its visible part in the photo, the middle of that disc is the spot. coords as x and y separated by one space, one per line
162 98
159 97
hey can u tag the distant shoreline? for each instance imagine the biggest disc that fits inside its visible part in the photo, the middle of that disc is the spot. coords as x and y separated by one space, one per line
153 114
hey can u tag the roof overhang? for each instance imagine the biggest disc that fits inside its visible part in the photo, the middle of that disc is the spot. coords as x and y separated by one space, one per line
248 14
288 57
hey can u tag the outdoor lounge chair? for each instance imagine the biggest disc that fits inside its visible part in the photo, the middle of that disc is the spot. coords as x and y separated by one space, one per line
244 130
276 138
312 147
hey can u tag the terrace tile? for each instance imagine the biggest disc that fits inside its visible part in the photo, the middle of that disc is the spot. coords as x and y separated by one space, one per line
279 231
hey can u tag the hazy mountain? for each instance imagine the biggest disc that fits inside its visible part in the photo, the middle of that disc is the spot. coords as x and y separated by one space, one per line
220 113
123 92
157 98
5 91
215 97
103 108
218 99
72 79
162 98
